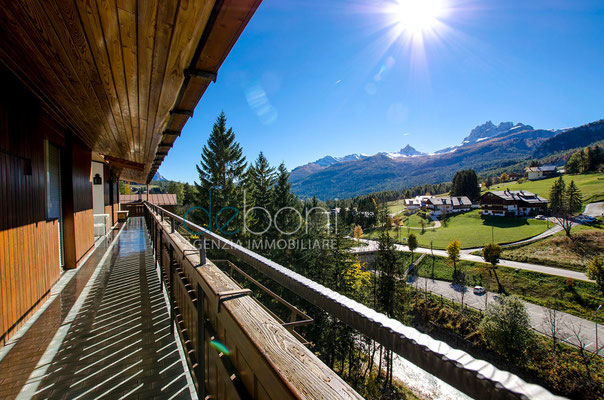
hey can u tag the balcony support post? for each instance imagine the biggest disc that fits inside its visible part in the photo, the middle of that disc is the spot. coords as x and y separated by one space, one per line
201 345
202 252
171 289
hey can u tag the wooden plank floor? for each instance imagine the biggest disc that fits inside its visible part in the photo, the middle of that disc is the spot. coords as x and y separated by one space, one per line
107 335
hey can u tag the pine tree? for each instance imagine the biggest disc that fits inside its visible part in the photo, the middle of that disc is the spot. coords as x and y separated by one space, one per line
465 183
565 203
387 265
286 219
260 182
557 196
574 199
587 160
596 158
189 195
221 171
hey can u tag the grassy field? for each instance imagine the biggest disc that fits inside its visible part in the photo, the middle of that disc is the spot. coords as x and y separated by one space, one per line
395 206
591 185
576 297
560 251
413 221
473 231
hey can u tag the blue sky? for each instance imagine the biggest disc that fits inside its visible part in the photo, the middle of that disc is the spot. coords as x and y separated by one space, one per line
311 78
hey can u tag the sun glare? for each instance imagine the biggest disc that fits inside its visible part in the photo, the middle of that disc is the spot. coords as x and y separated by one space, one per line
417 17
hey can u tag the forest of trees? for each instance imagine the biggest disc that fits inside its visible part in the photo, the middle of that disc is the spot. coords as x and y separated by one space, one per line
465 183
587 160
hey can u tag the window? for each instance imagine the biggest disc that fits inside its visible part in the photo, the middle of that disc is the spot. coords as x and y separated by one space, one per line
53 181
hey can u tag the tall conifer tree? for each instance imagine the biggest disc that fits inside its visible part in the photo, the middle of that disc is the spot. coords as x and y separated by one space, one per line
220 171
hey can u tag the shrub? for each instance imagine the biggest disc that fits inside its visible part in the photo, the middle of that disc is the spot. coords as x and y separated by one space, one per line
506 328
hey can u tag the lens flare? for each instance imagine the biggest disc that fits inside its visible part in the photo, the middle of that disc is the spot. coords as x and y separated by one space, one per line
221 348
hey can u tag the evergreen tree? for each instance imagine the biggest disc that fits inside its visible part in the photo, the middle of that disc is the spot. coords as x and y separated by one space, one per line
260 182
189 195
176 188
557 196
565 203
488 183
465 183
220 171
586 160
286 220
574 199
596 158
388 268
387 265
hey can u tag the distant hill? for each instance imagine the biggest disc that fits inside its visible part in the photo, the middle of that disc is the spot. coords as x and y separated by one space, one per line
488 146
581 136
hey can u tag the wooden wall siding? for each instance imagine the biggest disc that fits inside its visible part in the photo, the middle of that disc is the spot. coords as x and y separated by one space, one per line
29 252
78 219
110 70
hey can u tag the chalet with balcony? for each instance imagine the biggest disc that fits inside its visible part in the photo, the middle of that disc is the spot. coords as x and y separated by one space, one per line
518 203
453 204
542 172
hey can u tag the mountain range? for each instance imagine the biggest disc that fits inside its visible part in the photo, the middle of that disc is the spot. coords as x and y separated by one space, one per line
487 146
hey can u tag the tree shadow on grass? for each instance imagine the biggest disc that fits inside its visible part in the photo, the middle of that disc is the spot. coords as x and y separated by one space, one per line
504 222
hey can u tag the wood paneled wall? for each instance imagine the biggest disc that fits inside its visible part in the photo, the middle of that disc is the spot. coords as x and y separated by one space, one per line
29 243
77 202
29 250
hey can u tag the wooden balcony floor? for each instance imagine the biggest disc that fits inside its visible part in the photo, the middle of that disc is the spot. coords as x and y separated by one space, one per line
105 335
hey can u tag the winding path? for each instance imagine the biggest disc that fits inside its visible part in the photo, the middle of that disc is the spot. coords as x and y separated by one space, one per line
371 246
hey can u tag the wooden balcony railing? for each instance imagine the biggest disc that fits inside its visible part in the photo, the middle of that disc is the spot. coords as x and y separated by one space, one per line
234 346
261 358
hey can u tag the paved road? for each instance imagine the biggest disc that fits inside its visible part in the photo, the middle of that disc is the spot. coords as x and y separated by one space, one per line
595 209
569 324
372 246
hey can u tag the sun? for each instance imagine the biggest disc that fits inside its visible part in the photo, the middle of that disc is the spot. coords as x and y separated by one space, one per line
418 17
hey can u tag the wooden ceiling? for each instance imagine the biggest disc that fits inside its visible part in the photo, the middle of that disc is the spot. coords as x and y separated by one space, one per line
123 75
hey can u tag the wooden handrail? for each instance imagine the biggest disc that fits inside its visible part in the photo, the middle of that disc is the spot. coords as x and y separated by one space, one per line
234 346
474 377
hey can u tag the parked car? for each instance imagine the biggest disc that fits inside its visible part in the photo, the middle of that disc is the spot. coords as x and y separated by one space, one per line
479 290
541 217
584 219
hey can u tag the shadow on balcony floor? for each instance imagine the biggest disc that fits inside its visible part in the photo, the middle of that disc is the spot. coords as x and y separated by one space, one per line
116 343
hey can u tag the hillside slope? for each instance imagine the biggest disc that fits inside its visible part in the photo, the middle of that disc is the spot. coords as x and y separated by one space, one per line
572 138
